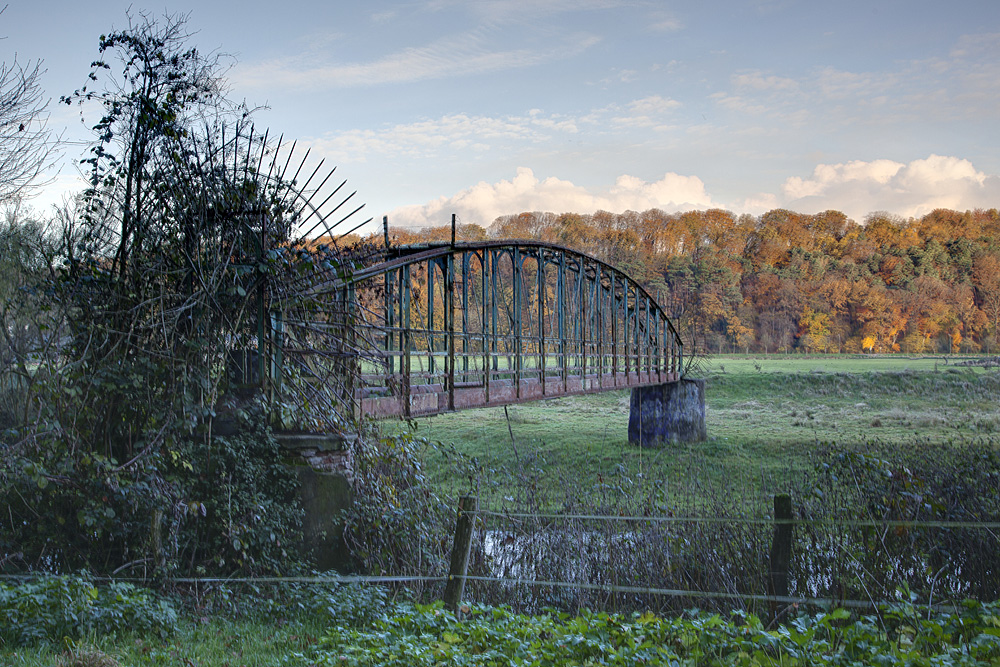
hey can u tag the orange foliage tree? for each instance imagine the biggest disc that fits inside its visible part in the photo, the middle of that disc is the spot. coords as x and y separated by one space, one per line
785 281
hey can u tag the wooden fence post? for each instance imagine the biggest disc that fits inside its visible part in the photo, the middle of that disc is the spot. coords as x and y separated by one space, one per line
467 508
781 551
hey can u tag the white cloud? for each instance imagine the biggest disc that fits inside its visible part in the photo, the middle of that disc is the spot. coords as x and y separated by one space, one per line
960 84
523 11
757 80
426 138
940 169
461 55
914 189
653 105
825 176
664 22
739 104
620 76
759 203
645 113
484 202
837 84
384 16
857 188
976 46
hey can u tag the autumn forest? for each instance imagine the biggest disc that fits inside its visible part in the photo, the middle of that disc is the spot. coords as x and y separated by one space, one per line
789 282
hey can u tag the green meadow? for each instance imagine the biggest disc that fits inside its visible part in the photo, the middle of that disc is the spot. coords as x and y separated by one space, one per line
766 417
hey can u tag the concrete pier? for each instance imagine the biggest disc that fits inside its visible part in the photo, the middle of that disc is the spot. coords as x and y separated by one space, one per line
324 466
669 412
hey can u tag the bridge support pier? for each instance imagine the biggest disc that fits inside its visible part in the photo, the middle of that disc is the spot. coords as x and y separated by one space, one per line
324 466
669 412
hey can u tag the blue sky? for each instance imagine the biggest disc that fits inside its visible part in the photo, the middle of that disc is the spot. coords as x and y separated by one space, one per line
434 107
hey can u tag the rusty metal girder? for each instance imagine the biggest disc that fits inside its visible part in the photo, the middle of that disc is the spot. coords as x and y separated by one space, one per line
468 325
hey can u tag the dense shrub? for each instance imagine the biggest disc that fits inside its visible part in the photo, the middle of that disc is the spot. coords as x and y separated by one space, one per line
399 523
926 484
205 504
604 548
241 511
53 608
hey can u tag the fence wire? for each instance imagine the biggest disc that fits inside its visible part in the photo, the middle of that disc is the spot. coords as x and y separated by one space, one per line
671 563
533 561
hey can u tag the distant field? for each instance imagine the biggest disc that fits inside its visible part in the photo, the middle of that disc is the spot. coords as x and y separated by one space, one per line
767 417
833 363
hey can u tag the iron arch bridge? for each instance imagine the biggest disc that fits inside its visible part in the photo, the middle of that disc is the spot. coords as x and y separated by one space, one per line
434 328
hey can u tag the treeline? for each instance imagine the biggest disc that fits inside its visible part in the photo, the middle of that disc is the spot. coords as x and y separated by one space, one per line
785 281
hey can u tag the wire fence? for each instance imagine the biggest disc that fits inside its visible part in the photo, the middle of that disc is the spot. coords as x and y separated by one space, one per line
758 563
765 564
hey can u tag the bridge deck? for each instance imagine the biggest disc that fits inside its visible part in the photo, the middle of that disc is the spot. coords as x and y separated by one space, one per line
436 398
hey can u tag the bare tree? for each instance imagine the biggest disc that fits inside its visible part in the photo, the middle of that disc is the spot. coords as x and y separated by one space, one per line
26 148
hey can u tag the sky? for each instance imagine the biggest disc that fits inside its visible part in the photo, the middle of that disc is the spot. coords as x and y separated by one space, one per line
484 108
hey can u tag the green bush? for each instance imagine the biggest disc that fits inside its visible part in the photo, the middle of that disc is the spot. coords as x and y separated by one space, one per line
240 508
399 524
49 609
196 505
926 484
70 509
339 604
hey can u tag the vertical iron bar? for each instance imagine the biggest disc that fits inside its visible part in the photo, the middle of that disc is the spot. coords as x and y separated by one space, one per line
598 307
680 359
389 305
540 275
631 344
449 314
583 322
668 352
390 322
404 335
354 362
645 340
277 354
614 329
517 321
261 313
484 267
396 332
637 347
657 346
430 319
633 333
466 270
561 310
627 332
494 269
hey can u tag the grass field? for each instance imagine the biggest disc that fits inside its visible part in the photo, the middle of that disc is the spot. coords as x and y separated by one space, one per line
766 417
196 640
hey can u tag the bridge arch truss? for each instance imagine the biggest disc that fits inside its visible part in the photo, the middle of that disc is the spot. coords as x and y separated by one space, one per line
437 328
